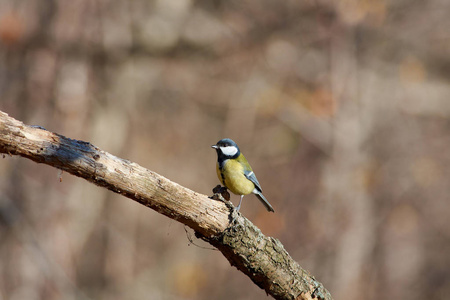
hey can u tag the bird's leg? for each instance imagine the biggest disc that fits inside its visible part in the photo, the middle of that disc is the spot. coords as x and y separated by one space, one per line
239 206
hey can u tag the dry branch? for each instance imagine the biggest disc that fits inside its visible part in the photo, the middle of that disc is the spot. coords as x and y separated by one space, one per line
261 258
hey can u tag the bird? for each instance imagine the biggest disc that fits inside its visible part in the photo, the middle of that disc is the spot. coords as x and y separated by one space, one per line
236 174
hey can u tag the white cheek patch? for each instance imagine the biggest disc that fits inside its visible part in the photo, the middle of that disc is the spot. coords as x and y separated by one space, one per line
229 150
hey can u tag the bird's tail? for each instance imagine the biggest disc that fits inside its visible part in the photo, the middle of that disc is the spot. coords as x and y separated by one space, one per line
264 201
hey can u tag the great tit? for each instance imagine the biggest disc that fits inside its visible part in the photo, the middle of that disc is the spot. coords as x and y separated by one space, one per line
235 173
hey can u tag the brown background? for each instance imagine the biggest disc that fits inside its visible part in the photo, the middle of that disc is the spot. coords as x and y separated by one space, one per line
342 108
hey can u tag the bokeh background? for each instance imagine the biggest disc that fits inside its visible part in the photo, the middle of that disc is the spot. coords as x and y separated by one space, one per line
342 108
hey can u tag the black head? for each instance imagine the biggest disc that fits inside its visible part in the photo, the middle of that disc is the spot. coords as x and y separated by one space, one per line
227 148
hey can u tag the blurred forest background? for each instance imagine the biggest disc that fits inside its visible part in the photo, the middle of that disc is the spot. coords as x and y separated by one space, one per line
342 108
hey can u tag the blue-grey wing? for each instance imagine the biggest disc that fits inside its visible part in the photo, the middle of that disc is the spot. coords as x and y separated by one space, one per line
251 176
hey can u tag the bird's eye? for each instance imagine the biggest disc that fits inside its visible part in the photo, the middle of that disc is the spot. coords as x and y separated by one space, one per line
229 150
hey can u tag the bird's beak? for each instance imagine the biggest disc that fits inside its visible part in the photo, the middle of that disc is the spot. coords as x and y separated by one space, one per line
215 146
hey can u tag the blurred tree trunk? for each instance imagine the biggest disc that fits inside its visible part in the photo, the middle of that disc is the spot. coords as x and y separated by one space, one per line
263 259
349 167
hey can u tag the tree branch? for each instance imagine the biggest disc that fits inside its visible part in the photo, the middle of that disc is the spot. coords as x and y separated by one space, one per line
261 258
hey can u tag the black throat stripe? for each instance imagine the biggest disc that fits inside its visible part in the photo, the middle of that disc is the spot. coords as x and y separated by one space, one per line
221 166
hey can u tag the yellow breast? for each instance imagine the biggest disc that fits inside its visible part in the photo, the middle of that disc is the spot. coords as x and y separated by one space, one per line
232 176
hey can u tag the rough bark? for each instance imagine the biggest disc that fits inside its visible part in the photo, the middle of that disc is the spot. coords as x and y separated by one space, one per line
263 259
